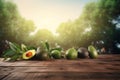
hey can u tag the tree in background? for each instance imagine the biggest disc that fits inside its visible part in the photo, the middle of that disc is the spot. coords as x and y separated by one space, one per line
102 16
42 35
93 26
12 26
99 24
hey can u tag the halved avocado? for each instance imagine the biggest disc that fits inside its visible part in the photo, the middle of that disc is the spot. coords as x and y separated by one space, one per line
92 52
29 54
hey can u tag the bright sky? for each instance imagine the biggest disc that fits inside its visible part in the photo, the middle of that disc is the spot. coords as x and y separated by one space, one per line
50 13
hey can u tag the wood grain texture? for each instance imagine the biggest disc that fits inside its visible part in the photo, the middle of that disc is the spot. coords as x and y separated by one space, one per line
105 67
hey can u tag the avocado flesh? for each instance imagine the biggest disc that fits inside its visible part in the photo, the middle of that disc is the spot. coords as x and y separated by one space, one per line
29 54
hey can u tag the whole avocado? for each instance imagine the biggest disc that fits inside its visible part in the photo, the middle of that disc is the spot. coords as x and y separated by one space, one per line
92 52
83 53
56 54
71 53
42 56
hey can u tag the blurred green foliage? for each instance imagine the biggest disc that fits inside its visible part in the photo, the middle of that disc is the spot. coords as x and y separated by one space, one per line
95 24
99 17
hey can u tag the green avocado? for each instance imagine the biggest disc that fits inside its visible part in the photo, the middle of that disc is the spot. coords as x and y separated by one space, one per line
71 53
92 52
56 54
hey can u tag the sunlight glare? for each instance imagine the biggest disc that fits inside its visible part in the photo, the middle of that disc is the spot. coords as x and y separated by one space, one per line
34 32
49 14
87 30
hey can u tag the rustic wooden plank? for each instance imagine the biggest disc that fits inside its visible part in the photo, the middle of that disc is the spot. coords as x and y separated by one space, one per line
5 71
68 69
3 75
105 67
65 67
63 76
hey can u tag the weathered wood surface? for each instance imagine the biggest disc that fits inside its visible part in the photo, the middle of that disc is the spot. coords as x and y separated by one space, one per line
105 67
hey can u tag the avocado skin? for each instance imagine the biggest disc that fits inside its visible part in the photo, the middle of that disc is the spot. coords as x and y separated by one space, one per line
71 54
92 52
41 56
83 53
56 54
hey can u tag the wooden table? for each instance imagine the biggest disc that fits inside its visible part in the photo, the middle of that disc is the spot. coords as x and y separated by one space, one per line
105 67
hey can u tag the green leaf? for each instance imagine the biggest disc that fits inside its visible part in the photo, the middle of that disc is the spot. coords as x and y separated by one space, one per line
14 58
12 55
44 46
38 50
8 53
31 47
47 46
14 47
24 47
59 49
